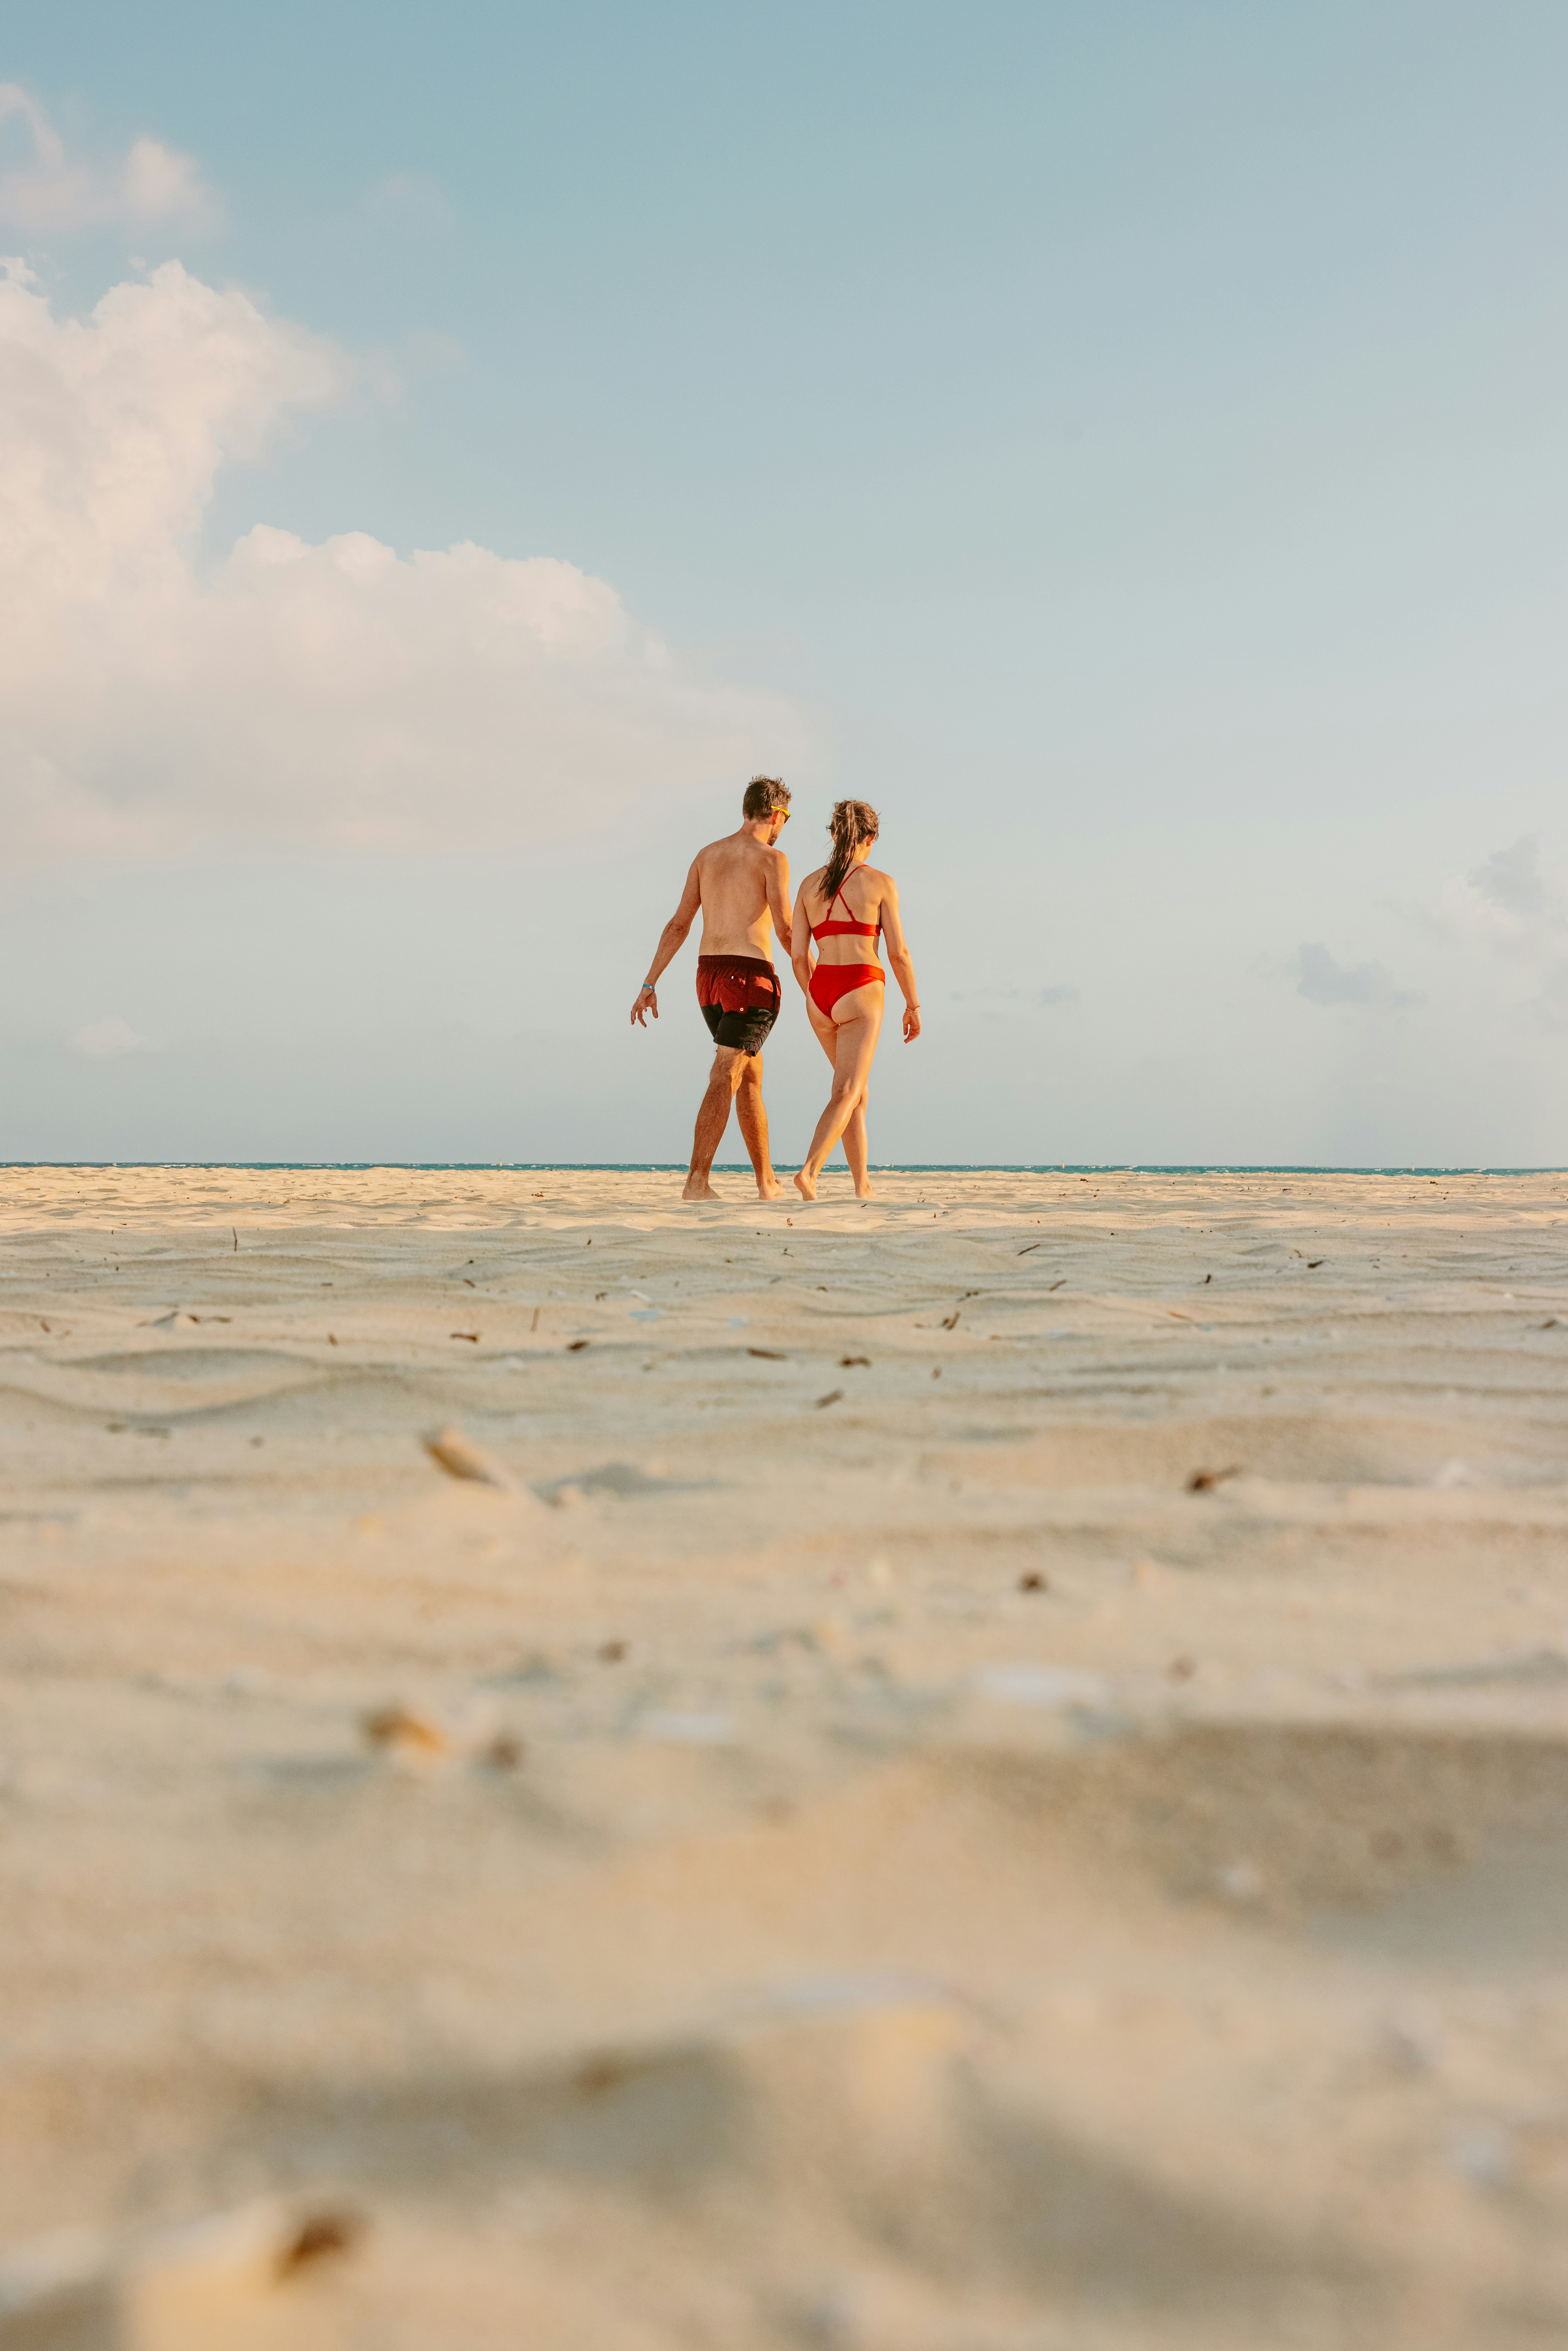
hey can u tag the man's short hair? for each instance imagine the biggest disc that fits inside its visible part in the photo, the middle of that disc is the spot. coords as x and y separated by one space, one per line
763 795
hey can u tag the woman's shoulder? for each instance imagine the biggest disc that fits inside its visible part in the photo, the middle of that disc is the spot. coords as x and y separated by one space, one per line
877 873
814 881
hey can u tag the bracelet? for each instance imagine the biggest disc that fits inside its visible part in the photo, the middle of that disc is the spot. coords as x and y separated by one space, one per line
647 989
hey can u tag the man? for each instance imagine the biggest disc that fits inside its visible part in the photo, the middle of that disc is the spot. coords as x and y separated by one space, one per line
742 884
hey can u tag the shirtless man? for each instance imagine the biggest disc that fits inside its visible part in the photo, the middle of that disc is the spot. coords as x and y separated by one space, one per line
742 884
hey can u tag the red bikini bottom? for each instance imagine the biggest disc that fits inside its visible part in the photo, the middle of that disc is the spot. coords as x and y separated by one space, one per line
832 981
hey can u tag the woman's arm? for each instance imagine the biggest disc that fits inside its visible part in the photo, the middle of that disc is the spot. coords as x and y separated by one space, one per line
801 942
898 956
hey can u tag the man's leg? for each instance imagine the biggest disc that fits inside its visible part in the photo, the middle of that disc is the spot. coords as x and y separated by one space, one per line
713 1117
753 1117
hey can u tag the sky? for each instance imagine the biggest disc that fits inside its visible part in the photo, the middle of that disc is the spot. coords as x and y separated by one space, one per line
444 453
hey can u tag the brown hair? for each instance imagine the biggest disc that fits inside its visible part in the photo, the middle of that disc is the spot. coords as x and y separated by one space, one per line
852 822
764 795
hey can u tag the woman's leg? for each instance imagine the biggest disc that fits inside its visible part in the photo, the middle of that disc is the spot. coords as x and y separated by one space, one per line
854 1143
859 1024
853 1137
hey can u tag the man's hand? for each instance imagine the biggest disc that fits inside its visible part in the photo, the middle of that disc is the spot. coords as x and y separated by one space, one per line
647 1001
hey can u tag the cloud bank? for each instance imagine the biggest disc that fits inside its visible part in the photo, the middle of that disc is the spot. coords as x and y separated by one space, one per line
106 1040
50 192
1322 980
1511 912
335 694
1508 902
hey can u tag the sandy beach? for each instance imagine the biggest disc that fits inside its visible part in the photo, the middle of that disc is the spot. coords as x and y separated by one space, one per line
990 1774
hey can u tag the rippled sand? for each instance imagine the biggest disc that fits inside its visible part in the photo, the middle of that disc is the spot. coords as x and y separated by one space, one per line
1000 1783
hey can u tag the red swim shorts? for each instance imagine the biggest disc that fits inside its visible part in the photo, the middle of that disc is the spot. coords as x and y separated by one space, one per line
740 997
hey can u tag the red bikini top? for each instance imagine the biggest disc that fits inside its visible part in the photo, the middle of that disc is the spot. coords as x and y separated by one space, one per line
845 930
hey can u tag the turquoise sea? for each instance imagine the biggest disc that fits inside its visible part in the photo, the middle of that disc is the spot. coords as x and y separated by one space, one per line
742 1167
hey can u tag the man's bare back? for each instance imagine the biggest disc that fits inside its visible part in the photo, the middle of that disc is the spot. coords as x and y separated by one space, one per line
740 885
743 889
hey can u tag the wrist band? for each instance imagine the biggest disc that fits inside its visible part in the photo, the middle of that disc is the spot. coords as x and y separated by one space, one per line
647 989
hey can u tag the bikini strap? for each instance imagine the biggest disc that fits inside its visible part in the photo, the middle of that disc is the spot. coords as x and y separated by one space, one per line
849 910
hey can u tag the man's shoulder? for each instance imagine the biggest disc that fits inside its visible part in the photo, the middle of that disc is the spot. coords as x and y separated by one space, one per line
736 855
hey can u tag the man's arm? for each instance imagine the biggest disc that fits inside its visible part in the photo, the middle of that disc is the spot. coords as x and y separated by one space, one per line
779 896
672 939
801 953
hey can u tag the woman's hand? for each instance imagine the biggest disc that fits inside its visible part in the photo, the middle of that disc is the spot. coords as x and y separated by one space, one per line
911 1023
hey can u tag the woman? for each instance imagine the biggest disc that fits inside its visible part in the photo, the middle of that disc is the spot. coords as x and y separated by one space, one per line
843 904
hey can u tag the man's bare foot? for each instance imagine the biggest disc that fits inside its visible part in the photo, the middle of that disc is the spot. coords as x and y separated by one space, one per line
806 1186
769 1188
866 1191
698 1188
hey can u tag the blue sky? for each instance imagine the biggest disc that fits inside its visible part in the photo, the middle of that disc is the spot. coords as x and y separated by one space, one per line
1126 443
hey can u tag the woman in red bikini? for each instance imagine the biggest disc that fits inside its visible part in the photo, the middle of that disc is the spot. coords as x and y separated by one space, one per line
840 906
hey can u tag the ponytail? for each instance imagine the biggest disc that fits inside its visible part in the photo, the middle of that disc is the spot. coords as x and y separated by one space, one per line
852 822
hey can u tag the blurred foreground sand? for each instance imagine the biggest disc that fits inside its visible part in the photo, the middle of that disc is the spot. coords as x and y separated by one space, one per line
871 1856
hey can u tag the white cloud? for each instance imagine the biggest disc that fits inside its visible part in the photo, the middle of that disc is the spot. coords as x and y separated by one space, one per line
53 191
1322 980
333 694
1507 902
101 1041
410 203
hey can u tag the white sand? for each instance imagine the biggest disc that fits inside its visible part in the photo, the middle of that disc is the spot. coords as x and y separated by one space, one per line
850 1941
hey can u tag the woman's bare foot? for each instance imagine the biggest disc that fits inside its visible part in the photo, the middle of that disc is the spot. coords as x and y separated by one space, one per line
806 1186
770 1190
698 1188
866 1191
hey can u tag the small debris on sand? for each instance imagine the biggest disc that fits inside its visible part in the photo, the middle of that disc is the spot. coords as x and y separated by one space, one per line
223 2279
1204 1481
320 2235
461 1458
406 1730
